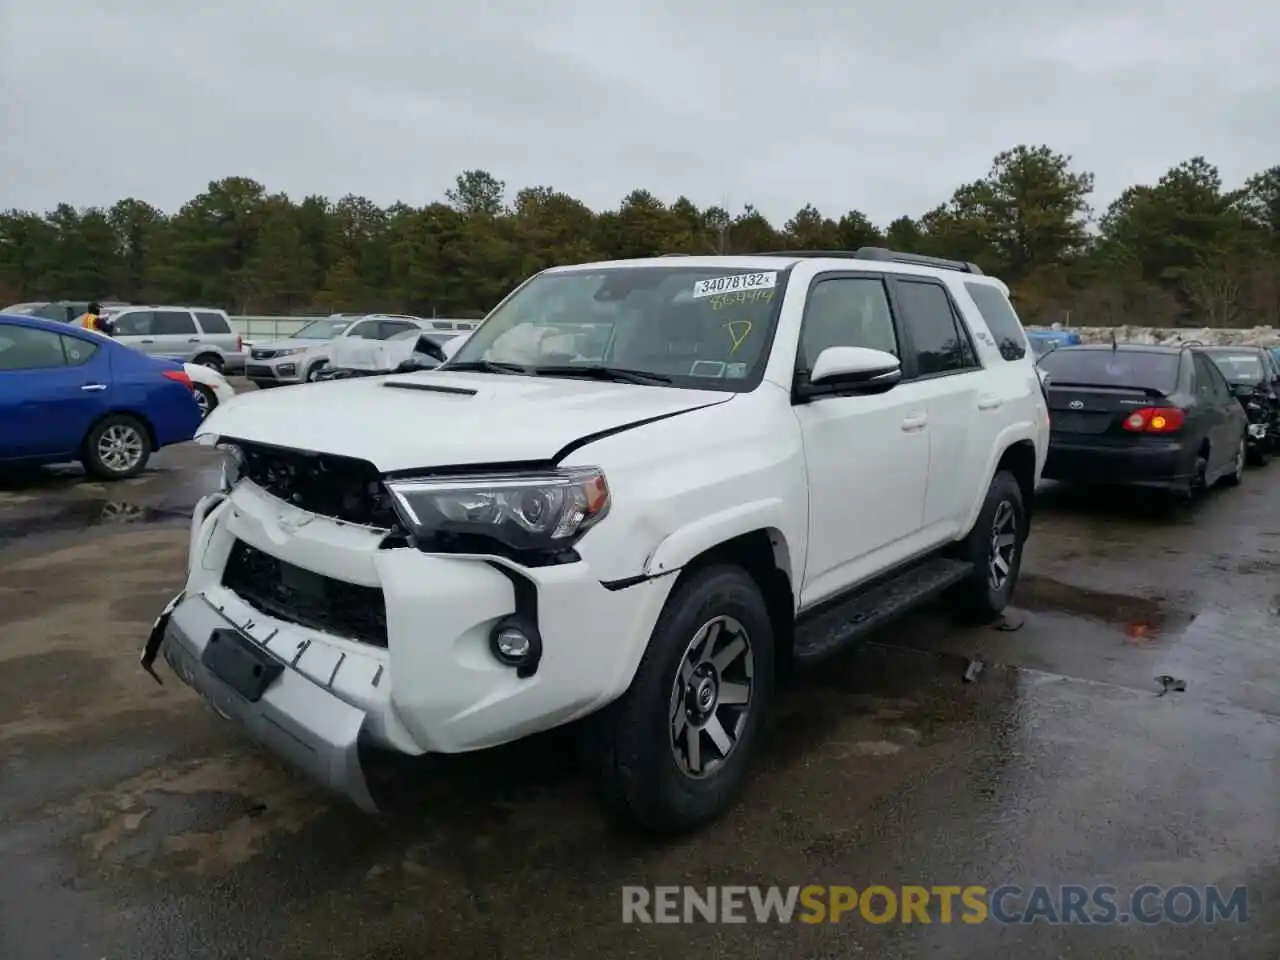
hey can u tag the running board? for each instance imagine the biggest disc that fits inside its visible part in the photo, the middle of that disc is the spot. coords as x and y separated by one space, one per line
831 629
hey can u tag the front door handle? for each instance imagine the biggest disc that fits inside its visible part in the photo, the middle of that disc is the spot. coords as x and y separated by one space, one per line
94 386
915 423
146 340
989 402
193 339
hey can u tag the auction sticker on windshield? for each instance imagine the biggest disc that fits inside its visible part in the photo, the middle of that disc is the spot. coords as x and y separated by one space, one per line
734 283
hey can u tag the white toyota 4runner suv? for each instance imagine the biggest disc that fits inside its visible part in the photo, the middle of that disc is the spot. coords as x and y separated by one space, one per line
637 492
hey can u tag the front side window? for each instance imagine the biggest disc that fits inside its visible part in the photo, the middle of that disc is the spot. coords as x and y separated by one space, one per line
846 312
703 327
135 323
24 348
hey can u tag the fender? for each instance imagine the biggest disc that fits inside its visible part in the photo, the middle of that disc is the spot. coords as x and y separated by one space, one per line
1011 434
681 546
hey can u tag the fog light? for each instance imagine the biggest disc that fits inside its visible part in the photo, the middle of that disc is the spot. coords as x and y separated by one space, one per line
515 643
512 645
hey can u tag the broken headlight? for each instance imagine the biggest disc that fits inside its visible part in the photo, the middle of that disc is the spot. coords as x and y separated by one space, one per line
232 466
520 513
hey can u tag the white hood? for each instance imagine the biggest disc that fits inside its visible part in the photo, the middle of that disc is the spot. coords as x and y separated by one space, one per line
508 419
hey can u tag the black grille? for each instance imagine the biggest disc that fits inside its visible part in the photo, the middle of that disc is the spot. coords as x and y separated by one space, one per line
308 599
340 487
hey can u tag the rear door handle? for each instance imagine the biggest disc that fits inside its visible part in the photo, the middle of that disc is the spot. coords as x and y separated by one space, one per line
989 403
193 339
94 386
915 423
146 340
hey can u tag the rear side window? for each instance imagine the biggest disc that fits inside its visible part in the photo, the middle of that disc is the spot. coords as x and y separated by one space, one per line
77 351
941 345
211 322
1000 318
173 323
1135 369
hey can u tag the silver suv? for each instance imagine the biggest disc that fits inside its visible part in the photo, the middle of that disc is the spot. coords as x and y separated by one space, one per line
200 335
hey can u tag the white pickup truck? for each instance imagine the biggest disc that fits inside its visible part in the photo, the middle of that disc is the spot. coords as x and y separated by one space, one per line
766 457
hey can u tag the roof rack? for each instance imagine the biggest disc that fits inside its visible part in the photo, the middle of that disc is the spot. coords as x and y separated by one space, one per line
883 254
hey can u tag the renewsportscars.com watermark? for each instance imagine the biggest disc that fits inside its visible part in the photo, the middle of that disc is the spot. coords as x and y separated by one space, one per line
1008 904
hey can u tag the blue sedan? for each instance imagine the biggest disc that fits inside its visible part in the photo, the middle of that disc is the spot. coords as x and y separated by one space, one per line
68 394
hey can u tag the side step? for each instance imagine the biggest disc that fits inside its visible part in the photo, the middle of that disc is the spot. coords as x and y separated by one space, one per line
830 629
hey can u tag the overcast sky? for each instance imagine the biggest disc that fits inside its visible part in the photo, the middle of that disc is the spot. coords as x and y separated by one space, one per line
881 106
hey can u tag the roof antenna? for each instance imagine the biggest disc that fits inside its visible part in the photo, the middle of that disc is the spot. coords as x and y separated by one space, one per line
1113 340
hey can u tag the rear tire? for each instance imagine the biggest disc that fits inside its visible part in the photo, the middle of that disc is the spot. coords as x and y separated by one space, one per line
118 447
674 751
206 399
210 360
994 547
1236 475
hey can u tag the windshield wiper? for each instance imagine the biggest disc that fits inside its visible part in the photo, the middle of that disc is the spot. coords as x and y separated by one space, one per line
484 366
600 372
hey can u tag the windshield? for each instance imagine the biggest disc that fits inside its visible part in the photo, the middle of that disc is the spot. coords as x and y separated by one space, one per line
1238 367
1041 345
703 327
1136 369
325 329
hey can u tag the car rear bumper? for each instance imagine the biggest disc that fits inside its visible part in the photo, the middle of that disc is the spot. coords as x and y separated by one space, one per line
1077 461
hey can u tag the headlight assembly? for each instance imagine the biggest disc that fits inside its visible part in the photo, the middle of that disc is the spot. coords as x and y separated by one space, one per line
521 512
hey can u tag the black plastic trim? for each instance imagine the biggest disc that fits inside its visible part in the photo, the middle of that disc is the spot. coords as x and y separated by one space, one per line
526 597
430 387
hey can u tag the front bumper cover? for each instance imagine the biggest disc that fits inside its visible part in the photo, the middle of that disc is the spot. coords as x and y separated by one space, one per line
305 724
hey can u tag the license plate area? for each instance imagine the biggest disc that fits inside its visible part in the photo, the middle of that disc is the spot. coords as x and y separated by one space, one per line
240 663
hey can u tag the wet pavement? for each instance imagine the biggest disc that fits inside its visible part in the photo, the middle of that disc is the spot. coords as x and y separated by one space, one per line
136 824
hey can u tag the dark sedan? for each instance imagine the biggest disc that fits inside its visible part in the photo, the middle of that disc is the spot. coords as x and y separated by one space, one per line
1255 380
1152 416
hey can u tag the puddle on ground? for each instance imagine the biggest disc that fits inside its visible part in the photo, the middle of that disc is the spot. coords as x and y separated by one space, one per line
1142 619
85 515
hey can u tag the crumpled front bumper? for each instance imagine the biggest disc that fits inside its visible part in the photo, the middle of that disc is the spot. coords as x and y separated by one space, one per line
310 727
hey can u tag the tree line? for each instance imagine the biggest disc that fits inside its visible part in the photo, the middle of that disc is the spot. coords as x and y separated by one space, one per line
1184 250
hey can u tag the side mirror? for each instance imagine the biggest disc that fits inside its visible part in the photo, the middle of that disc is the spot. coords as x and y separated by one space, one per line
1242 389
850 370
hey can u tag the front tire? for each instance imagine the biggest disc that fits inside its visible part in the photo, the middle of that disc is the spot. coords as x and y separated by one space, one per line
994 547
117 448
674 751
313 371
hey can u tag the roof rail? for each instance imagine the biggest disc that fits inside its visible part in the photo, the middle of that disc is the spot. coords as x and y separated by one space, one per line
879 253
675 254
919 260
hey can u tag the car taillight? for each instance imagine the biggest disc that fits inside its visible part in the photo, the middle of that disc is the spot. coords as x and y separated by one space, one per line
180 376
239 343
1155 420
